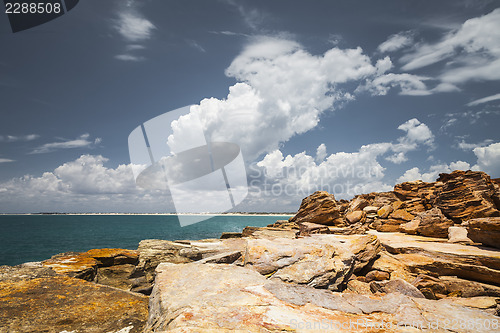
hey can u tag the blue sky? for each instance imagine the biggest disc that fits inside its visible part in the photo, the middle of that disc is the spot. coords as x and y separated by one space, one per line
345 96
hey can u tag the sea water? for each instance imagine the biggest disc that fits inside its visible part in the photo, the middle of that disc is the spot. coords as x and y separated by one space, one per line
25 238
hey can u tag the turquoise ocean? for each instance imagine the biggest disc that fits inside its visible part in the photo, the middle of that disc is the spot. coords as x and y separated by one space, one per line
25 238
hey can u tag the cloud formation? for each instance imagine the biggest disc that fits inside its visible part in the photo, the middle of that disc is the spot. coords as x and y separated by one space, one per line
433 173
484 100
475 48
396 42
344 174
135 29
282 91
488 159
83 141
14 138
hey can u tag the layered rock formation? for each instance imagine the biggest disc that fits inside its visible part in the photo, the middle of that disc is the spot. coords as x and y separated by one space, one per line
416 207
320 208
423 257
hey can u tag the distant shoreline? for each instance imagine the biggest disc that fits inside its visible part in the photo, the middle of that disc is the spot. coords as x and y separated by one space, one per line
156 214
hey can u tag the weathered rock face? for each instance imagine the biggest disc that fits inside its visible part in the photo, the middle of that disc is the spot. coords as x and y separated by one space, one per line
320 208
468 194
430 223
109 266
430 256
485 231
322 261
36 299
223 298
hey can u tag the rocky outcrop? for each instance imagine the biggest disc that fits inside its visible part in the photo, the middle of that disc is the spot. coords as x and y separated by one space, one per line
320 208
467 194
111 267
485 231
226 298
430 223
34 298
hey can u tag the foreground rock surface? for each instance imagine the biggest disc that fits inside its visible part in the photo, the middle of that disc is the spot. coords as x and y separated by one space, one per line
321 261
228 298
36 299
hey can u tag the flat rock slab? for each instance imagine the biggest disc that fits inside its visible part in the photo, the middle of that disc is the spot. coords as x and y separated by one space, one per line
227 298
323 261
424 255
42 302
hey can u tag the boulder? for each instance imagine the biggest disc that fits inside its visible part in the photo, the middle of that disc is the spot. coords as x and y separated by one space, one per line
34 300
358 203
355 216
384 211
321 261
402 215
458 234
485 231
466 195
228 298
370 209
430 223
320 208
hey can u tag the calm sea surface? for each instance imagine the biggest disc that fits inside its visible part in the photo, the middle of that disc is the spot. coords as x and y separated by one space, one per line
26 238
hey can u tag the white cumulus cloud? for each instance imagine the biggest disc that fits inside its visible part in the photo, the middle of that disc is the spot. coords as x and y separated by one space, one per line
433 173
282 91
341 173
488 159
